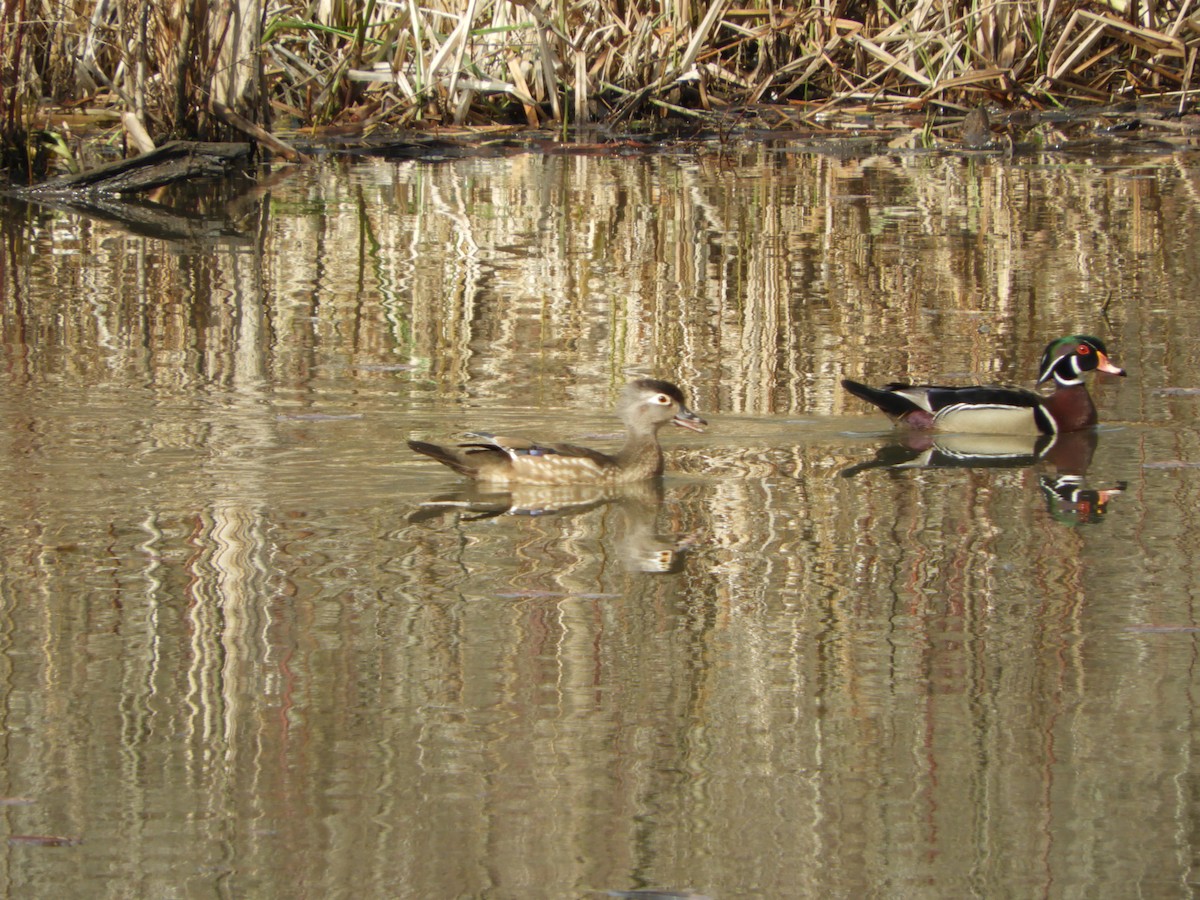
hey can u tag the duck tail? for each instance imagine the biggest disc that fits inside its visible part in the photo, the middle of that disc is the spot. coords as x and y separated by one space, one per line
893 404
443 455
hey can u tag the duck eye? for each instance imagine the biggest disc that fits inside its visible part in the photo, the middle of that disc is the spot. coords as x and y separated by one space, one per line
1083 350
663 399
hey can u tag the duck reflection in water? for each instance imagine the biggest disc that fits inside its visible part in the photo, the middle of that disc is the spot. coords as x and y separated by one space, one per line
1068 455
1070 501
641 547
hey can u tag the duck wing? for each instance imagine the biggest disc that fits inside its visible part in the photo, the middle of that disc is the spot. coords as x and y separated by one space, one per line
986 410
517 460
935 398
976 409
516 448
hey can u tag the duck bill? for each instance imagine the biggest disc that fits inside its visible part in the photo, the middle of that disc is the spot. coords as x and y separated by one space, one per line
689 420
1105 365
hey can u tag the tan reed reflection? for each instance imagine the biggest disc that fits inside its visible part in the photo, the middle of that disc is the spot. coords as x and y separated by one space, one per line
769 274
223 631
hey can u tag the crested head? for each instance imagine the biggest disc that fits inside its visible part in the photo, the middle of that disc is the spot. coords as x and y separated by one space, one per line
647 404
1068 358
654 386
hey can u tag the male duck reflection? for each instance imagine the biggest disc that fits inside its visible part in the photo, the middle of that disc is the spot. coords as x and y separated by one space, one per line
1067 456
645 406
1001 410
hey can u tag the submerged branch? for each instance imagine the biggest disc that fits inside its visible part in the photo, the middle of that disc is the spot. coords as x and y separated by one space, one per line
177 161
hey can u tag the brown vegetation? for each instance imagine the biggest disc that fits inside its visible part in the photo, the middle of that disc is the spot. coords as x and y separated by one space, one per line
197 70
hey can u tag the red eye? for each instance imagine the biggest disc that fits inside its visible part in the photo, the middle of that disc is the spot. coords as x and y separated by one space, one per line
1083 350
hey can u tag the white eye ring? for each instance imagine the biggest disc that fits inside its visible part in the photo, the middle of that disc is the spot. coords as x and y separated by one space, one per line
663 399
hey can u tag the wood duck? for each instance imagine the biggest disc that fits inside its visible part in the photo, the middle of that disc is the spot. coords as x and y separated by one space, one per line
645 406
1002 410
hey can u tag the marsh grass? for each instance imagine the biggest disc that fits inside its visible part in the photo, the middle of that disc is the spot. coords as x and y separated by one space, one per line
405 63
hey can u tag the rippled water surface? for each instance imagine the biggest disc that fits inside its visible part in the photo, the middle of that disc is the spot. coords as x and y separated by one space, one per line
252 646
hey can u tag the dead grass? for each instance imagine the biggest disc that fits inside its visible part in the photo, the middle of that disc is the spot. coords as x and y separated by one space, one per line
402 63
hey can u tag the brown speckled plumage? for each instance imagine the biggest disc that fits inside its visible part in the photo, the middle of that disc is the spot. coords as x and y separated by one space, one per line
645 406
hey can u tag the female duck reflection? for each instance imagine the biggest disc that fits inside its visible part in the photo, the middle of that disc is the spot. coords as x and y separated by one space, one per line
639 544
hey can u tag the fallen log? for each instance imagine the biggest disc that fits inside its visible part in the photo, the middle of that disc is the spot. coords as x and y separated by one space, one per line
176 161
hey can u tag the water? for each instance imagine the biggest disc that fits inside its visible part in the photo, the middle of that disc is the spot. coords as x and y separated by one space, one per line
250 645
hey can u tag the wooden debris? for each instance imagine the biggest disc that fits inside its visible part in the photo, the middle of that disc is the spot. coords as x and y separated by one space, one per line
264 137
177 161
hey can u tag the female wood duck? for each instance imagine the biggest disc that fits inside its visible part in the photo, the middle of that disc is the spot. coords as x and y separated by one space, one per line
1003 410
645 406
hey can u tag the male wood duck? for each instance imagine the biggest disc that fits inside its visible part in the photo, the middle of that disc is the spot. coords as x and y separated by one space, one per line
1003 410
645 406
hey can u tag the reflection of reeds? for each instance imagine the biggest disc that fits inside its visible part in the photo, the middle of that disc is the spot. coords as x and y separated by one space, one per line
220 620
549 285
475 61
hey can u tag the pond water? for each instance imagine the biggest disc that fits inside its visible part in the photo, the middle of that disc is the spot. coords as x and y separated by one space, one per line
252 646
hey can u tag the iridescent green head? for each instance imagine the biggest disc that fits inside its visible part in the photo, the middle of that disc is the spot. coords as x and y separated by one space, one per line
1068 358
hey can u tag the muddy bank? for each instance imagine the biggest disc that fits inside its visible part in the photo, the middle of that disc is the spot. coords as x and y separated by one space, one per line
1125 128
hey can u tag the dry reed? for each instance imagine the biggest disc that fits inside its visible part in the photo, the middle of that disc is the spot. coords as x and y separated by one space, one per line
403 63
